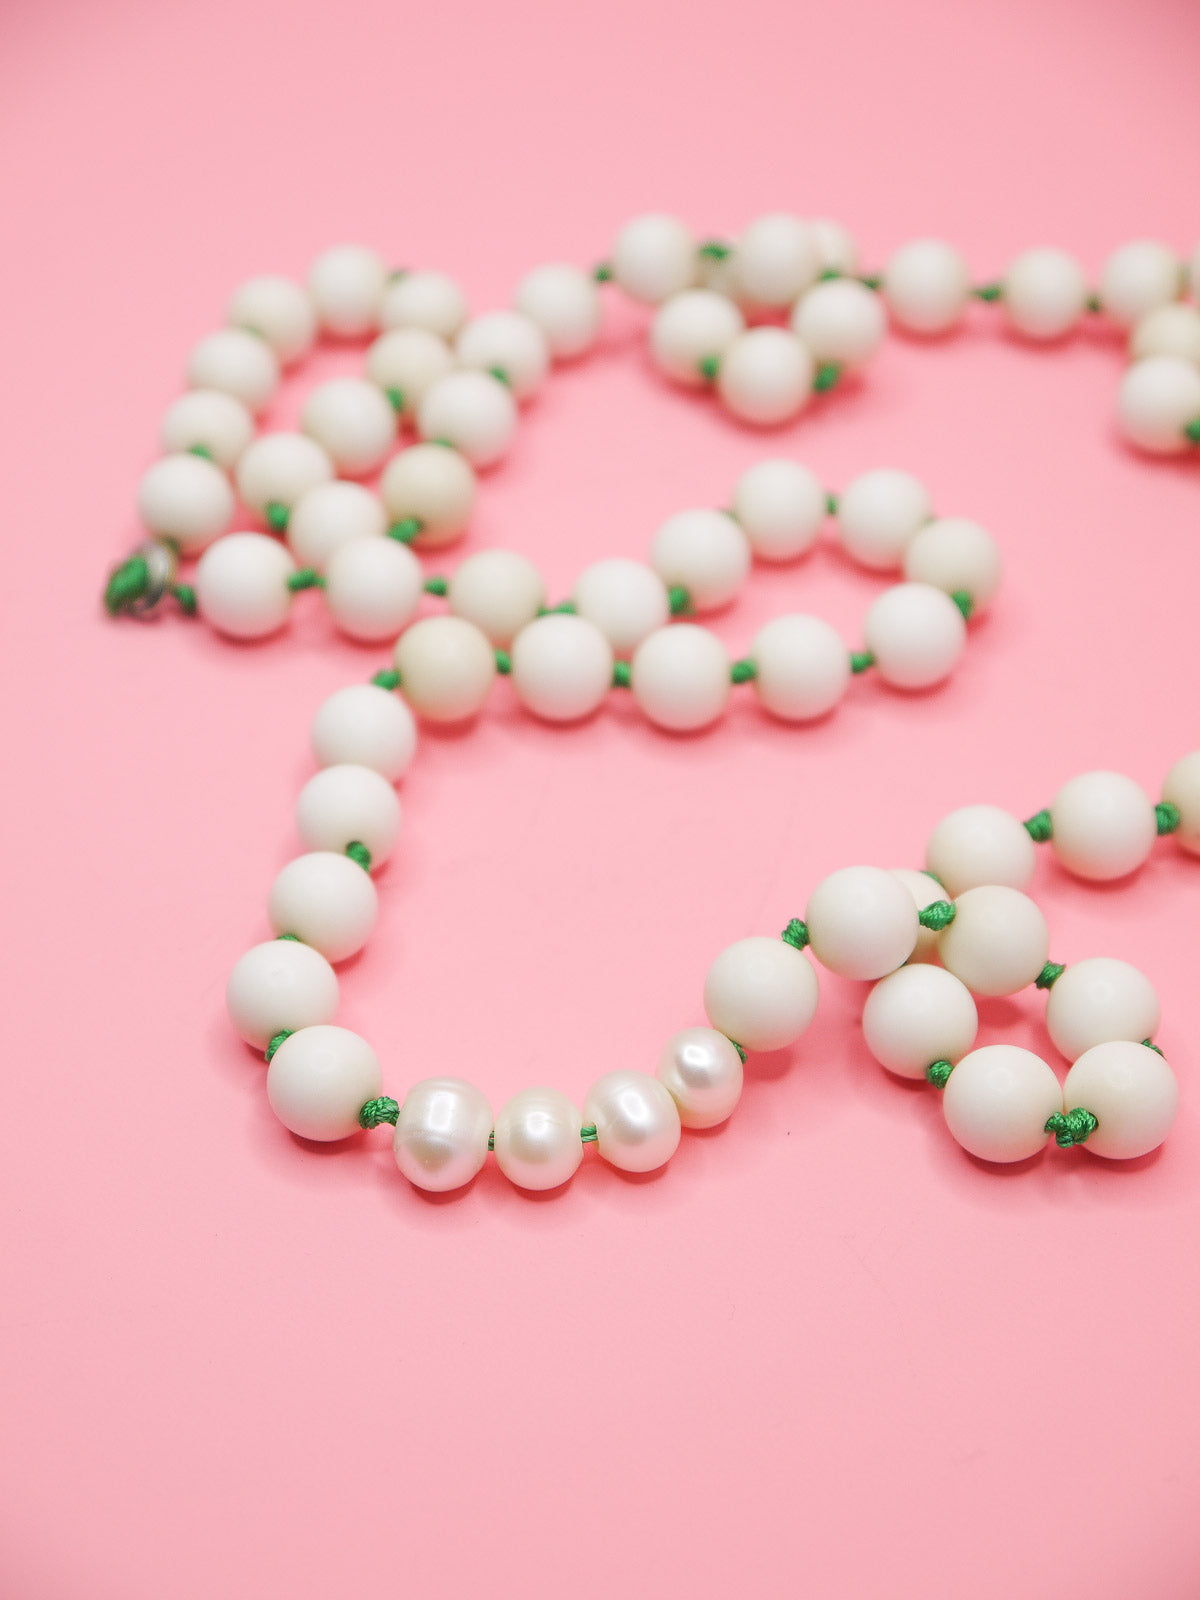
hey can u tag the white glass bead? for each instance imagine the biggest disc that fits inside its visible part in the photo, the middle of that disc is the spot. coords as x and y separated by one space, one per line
924 890
837 247
327 900
1045 293
537 1139
862 922
441 1136
878 516
346 285
565 304
347 804
429 300
702 1071
280 311
435 486
954 553
236 363
509 345
330 515
706 553
499 591
802 667
1137 277
320 1079
187 499
373 588
1095 1001
636 1120
1157 399
280 984
1170 330
918 1015
241 584
278 468
916 634
406 362
1132 1093
366 726
562 667
926 284
766 376
998 941
840 321
776 259
446 668
691 329
781 507
207 418
680 677
978 845
1181 788
762 992
626 599
473 412
1104 825
352 421
997 1100
654 256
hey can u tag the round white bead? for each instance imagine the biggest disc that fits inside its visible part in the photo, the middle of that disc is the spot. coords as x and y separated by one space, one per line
366 726
862 922
837 247
998 941
207 418
236 363
280 984
878 515
472 411
373 588
636 1120
926 284
702 1071
916 1016
435 486
690 329
776 258
781 507
537 1139
924 890
347 804
446 668
1095 1001
761 992
840 321
997 1100
1132 1093
802 667
953 554
680 677
442 1131
326 900
626 600
330 515
187 499
429 300
509 345
1137 277
654 256
706 553
352 421
1157 399
241 585
1103 825
1181 788
562 667
1170 330
565 304
1045 293
978 845
346 285
320 1079
405 362
499 591
766 376
278 468
279 311
916 634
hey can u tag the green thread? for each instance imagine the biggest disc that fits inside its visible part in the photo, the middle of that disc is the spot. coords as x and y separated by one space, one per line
185 595
938 1073
964 603
827 377
740 1048
406 530
872 281
201 450
742 671
1192 431
1039 827
387 678
1166 816
1049 975
436 586
715 250
602 272
988 291
503 663
383 1109
305 578
1093 304
1150 1045
860 660
938 914
678 599
709 367
357 851
828 274
795 934
1071 1127
277 515
126 584
831 505
501 376
622 675
395 399
273 1044
446 444
294 937
396 274
588 1133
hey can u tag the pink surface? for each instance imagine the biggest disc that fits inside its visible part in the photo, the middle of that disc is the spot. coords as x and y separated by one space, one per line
824 1354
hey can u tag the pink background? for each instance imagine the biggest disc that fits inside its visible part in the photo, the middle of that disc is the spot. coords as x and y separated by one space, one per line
825 1353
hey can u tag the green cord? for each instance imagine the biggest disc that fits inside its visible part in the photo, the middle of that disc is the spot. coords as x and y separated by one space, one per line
872 281
1049 975
1071 1127
273 1044
622 675
305 578
715 250
795 934
1093 304
503 663
395 399
1166 816
742 671
357 851
1150 1045
709 367
500 376
988 291
295 937
828 375
831 505
200 450
964 603
1039 827
387 678
1192 431
406 530
678 599
602 272
938 1073
383 1109
937 915
436 585
860 660
277 515
126 584
186 597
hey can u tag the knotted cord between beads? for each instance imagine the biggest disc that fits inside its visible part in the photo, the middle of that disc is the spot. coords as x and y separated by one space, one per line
1072 1127
937 915
1049 975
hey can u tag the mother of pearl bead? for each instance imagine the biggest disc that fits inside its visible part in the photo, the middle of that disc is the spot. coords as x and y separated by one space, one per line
980 844
998 941
862 922
1103 825
446 668
366 726
918 1015
703 1071
761 992
326 900
347 804
442 1131
1181 788
277 985
997 1100
319 1080
636 1120
1132 1093
537 1139
1098 1000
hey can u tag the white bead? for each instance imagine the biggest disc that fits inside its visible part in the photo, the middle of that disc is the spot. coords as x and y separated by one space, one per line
565 304
1157 399
776 258
406 362
1095 1001
841 321
210 419
636 1120
1181 788
320 1079
347 804
441 1136
1132 1093
187 499
366 726
766 376
952 554
924 890
509 345
1045 293
781 507
878 516
236 363
706 553
997 1100
761 992
435 486
279 311
802 667
499 591
1103 825
702 1071
280 984
691 329
327 900
429 300
654 257
626 599
278 468
346 285
862 922
980 844
837 247
241 585
916 634
1137 277
918 1015
562 667
373 588
330 515
473 412
352 421
926 284
1170 330
998 941
537 1139
680 677
446 668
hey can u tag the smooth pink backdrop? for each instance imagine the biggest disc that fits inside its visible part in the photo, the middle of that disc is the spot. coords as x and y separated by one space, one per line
825 1354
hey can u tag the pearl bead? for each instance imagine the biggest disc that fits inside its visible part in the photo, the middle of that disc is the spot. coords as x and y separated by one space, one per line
1045 293
1103 825
1095 1001
278 468
625 599
776 259
802 667
1157 399
565 304
442 1131
1170 330
241 585
236 363
213 421
766 376
537 1139
446 668
1137 277
841 321
562 667
1181 788
878 515
327 901
373 588
280 984
509 345
761 992
499 591
279 311
704 551
978 845
654 257
953 554
352 421
1132 1093
997 1100
916 1016
366 726
320 1079
330 515
636 1120
916 634
680 677
187 499
781 507
998 941
691 329
406 362
702 1071
472 411
434 486
346 285
926 284
924 890
346 804
429 300
837 247
862 922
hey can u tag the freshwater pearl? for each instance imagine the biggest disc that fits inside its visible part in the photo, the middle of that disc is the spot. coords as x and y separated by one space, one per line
1181 788
1103 825
279 311
998 941
766 376
210 420
980 844
918 1015
837 247
187 499
352 421
1170 330
562 667
1138 277
924 890
997 1100
345 804
472 411
241 585
654 257
953 554
802 667
366 726
690 329
346 285
776 259
330 515
237 363
702 1071
441 1136
1099 1000
761 992
1157 399
565 304
280 984
706 553
326 900
446 668
1045 293
499 591
509 345
862 922
636 1120
428 300
916 634
319 1080
840 321
781 506
406 362
926 284
537 1139
1132 1093
626 600
680 677
434 486
878 515
278 468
